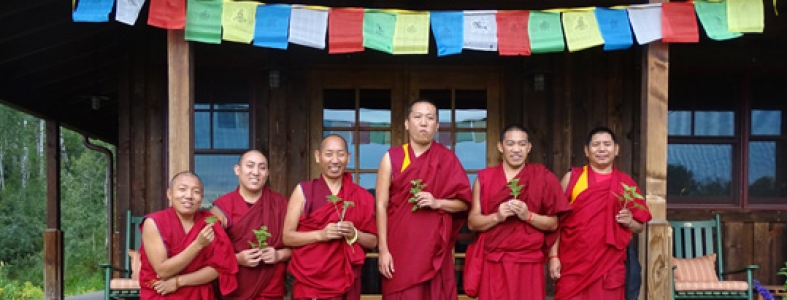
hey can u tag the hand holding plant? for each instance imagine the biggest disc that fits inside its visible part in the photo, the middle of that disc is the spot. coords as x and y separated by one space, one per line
417 188
345 205
515 187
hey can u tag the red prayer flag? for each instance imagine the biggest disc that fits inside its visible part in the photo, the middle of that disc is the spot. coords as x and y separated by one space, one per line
345 30
678 23
512 38
167 14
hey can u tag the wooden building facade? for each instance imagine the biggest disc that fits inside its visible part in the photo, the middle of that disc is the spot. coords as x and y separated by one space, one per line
702 127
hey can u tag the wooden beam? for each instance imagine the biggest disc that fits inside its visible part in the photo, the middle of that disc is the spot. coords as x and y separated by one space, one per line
653 148
180 119
53 236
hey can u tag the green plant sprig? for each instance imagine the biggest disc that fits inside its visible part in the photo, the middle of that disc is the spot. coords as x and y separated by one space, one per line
515 187
262 235
210 220
628 197
335 200
417 188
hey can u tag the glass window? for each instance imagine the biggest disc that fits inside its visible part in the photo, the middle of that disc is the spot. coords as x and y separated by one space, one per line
699 170
766 122
762 170
714 123
217 174
679 122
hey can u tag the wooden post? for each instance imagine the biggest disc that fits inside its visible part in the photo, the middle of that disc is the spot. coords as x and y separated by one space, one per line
180 119
655 79
53 236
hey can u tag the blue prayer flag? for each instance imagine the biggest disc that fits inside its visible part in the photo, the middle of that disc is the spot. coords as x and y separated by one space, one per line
272 26
615 28
448 30
93 10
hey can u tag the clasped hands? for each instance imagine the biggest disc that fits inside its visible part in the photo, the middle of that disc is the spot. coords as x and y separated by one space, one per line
335 231
252 257
513 207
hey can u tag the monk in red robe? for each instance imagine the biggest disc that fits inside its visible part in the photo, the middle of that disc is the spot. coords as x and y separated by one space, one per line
589 258
249 207
182 251
422 196
515 209
329 225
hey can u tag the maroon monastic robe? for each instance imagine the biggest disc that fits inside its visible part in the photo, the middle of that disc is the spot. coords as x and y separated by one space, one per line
514 251
264 281
421 241
592 248
331 270
218 254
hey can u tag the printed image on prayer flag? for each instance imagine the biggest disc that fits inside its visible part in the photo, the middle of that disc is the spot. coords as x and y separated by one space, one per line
271 26
581 30
128 11
512 38
411 34
345 30
378 30
646 22
203 21
167 14
448 31
745 16
713 16
480 30
545 32
237 20
678 24
615 28
308 26
93 10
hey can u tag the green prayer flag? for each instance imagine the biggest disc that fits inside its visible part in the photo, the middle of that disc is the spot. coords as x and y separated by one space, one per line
378 30
713 16
203 21
546 32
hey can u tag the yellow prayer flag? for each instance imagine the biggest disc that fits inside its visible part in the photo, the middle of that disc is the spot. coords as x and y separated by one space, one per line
411 35
581 29
745 16
237 20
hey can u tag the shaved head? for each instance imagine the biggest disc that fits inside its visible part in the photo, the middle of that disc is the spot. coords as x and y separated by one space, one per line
180 174
240 160
331 136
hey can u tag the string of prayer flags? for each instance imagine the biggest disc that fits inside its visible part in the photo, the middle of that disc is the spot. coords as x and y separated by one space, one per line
512 37
480 30
678 24
128 11
545 32
345 30
93 10
203 21
581 29
378 30
308 26
272 26
614 26
237 20
411 34
713 16
167 14
646 22
448 31
743 15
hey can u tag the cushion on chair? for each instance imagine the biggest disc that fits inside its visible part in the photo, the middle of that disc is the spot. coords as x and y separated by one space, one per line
136 264
683 286
124 284
698 269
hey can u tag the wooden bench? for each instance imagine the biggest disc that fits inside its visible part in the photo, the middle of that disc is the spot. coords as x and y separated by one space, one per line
126 286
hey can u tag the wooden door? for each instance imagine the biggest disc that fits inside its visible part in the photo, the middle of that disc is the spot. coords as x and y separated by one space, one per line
368 106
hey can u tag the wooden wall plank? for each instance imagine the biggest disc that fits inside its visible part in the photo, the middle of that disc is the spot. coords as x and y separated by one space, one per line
562 115
180 117
659 240
734 253
53 236
761 241
277 131
54 280
138 202
776 253
261 104
775 216
298 133
155 182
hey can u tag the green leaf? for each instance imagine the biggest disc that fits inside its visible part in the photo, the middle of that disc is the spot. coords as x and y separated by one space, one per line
333 199
412 200
415 207
210 220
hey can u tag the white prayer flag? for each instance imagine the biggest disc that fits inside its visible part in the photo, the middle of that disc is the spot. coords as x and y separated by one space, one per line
308 26
480 30
646 22
128 11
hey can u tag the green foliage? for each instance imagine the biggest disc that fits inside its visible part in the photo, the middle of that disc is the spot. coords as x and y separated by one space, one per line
417 188
628 197
783 272
262 235
515 187
23 208
335 200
